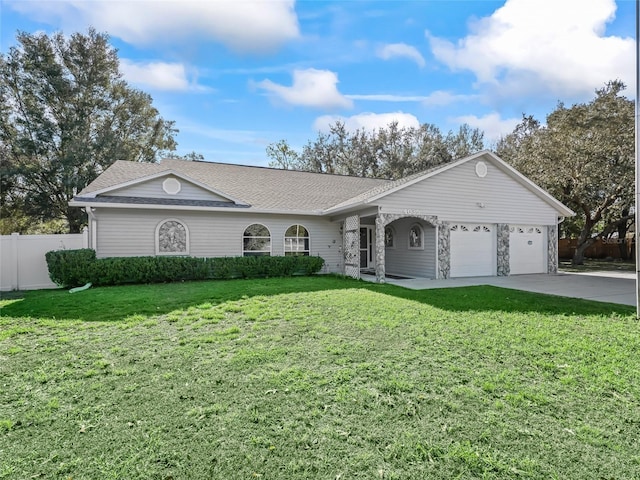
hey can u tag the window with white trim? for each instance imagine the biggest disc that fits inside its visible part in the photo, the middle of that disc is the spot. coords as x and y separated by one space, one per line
256 241
416 237
389 236
296 241
172 238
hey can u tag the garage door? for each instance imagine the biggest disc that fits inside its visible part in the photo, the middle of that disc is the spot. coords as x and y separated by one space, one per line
527 249
473 250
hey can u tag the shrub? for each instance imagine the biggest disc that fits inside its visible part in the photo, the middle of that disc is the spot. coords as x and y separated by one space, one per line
121 270
71 267
76 267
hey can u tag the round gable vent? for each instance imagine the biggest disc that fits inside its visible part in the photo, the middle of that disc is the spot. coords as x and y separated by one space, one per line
171 186
481 169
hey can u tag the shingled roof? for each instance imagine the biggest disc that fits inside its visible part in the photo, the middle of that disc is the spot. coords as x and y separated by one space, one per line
260 187
274 190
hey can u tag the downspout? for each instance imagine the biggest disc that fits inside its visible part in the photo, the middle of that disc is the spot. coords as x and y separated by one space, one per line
637 160
93 225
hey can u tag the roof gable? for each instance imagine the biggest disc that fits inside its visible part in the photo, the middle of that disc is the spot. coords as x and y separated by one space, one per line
279 191
155 186
263 189
382 191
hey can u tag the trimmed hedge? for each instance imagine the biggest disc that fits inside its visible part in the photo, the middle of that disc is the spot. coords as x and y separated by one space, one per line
70 268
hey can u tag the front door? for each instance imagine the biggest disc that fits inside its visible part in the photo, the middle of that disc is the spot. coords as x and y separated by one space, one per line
367 256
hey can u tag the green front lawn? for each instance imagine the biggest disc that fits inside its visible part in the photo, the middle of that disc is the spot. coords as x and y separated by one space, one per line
318 378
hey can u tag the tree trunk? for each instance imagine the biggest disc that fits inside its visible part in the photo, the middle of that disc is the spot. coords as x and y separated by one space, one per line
76 219
622 246
578 255
622 233
584 242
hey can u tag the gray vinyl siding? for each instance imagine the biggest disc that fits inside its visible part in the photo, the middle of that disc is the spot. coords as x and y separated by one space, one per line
414 263
153 189
455 195
131 232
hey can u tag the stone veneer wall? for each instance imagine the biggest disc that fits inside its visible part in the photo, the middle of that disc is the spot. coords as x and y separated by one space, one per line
380 248
351 247
552 249
382 220
502 232
444 250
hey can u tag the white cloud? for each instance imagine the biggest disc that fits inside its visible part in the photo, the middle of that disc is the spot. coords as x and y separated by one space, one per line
401 50
385 97
158 75
245 26
491 124
439 98
366 121
222 134
310 88
542 45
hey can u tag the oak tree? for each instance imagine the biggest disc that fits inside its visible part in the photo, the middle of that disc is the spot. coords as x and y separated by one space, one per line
66 114
389 152
584 156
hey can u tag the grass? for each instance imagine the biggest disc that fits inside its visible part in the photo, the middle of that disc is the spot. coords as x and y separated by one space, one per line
318 377
595 265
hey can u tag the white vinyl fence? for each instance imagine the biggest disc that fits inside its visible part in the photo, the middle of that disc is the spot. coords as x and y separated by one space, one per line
22 262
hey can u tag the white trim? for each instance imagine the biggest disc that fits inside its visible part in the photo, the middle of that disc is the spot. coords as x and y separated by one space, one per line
94 235
171 186
284 238
310 213
157 238
164 173
370 252
481 169
247 236
437 230
421 228
394 237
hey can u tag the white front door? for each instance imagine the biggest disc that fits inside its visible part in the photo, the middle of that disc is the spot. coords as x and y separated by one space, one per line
473 250
367 244
527 249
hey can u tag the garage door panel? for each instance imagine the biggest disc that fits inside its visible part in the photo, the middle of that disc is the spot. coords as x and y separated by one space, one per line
527 249
473 250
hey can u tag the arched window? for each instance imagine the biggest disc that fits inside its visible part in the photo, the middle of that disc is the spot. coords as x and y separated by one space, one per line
256 240
389 236
416 237
172 238
296 240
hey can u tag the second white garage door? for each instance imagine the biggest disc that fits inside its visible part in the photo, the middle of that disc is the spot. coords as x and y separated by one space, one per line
473 250
527 249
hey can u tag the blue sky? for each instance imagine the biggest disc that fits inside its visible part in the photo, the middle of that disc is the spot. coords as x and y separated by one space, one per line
237 75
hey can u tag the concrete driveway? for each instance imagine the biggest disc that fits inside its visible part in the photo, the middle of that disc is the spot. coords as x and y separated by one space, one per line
613 287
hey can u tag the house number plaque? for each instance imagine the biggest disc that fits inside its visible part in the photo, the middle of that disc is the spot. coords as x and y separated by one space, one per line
412 212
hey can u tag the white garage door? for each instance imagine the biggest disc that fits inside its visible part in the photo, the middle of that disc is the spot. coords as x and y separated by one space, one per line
473 250
527 249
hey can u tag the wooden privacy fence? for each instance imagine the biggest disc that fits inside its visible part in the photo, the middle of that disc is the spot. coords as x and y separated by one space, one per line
603 248
22 262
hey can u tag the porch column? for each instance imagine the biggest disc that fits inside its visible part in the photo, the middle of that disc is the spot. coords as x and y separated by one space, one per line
380 249
503 250
552 249
444 249
351 247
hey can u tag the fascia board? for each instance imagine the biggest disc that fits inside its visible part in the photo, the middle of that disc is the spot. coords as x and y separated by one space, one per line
161 174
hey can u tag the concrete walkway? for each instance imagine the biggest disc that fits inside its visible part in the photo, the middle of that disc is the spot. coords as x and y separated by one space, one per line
613 287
